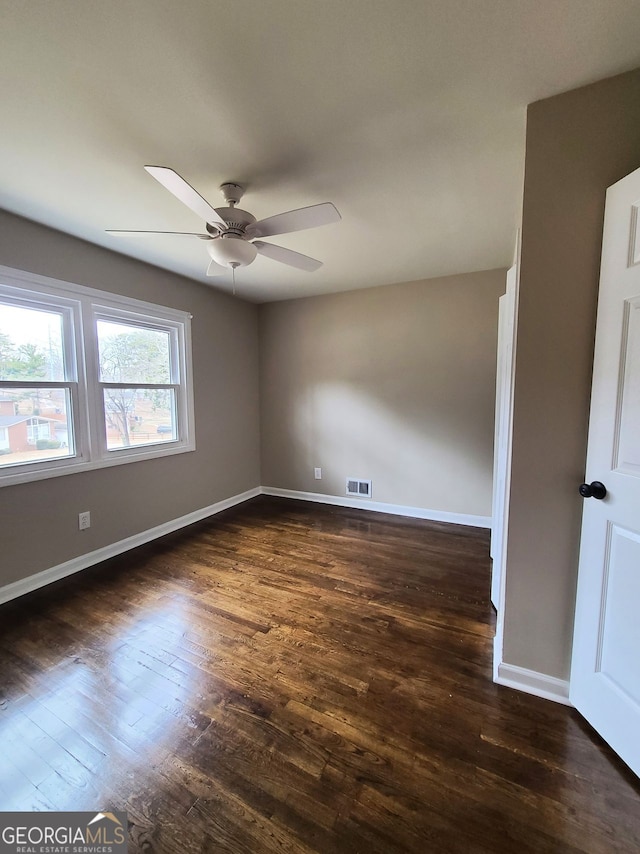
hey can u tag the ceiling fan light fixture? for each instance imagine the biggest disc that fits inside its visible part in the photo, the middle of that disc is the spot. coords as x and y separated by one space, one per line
230 251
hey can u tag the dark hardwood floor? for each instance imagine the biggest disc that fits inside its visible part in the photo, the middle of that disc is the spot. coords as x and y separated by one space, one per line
297 678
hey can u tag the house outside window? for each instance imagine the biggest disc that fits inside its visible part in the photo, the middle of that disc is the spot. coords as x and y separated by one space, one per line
88 379
38 429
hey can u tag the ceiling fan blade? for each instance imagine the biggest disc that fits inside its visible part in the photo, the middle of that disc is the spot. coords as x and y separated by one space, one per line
121 232
297 220
287 256
185 193
216 269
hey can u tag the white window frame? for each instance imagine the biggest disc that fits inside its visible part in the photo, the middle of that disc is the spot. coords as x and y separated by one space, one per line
81 307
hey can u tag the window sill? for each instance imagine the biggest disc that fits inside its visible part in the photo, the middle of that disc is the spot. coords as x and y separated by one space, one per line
75 466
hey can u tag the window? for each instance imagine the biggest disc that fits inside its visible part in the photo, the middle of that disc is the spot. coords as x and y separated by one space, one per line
138 382
88 379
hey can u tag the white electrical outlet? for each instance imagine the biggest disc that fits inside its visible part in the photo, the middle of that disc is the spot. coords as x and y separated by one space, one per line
84 520
317 473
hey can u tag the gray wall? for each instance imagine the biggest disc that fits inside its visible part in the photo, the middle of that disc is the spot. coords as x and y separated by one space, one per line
395 384
39 521
578 144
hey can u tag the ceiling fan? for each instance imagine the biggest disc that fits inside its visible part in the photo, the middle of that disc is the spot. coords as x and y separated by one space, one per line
232 234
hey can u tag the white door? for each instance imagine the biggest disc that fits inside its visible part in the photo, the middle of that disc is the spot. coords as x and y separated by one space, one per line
605 672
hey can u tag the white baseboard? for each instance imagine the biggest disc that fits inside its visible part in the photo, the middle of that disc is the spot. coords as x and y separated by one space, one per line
533 682
379 507
55 573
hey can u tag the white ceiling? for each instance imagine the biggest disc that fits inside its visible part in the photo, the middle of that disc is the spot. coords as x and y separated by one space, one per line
409 116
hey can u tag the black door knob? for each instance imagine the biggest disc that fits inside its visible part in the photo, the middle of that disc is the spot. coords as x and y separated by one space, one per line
595 489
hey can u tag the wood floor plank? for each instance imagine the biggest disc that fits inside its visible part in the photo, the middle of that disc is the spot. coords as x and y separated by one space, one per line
297 678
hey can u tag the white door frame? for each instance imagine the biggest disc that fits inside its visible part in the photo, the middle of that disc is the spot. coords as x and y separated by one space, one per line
505 383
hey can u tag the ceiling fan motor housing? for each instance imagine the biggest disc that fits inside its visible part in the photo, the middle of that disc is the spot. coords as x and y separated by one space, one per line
235 218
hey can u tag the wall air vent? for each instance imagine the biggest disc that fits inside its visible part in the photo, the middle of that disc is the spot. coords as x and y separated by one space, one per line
359 488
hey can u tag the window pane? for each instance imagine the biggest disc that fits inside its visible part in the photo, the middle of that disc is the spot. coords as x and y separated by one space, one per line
35 425
133 354
139 416
30 344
